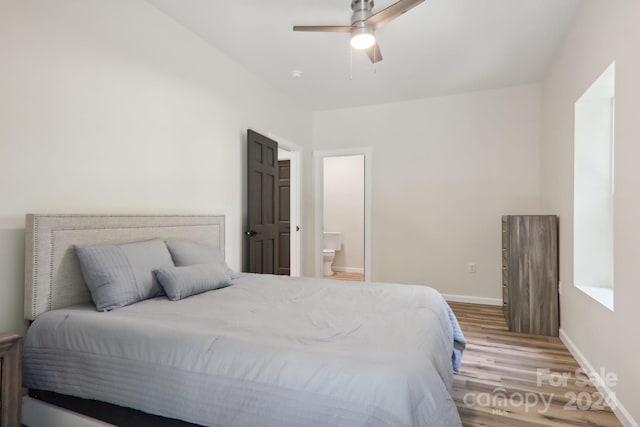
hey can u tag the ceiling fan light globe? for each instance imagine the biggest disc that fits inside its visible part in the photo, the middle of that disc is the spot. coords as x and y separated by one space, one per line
362 40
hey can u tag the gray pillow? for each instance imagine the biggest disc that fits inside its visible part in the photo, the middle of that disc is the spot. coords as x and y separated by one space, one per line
188 253
119 275
182 282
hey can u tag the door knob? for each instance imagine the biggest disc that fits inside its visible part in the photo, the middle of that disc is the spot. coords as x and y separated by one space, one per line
251 233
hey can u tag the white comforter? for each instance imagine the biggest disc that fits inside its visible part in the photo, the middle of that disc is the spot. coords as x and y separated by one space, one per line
266 351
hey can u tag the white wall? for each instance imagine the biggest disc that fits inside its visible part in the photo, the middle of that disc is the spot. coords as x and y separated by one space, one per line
602 32
110 106
444 171
343 206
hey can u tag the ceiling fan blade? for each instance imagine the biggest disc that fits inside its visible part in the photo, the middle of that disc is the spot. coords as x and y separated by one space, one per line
323 28
374 53
392 12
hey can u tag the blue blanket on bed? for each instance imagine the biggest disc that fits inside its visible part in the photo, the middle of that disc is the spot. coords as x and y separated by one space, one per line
459 341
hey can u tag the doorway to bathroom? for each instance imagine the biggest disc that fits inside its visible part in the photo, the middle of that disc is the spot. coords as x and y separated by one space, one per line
343 206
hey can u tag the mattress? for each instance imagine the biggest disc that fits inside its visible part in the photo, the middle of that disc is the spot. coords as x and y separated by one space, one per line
265 351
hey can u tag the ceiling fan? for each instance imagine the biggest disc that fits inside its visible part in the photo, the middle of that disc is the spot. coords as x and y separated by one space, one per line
364 23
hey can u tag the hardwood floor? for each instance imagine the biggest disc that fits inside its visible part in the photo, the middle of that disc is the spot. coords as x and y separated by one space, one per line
520 380
341 275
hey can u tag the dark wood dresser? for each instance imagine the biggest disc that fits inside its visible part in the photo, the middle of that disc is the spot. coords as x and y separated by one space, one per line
10 380
530 273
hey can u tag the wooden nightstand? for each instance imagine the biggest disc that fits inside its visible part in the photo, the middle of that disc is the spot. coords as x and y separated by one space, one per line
10 380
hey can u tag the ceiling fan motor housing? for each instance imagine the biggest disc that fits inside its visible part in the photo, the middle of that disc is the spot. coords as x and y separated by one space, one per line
361 11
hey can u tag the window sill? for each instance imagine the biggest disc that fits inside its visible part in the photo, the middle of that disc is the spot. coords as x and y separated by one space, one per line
603 295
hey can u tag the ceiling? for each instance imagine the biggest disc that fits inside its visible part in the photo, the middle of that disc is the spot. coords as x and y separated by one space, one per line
440 47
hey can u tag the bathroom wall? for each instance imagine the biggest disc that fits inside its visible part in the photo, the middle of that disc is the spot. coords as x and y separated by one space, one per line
344 209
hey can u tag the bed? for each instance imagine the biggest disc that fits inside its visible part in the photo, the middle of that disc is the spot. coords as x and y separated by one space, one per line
264 351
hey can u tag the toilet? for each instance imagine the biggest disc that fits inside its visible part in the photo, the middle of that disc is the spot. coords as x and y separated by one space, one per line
332 243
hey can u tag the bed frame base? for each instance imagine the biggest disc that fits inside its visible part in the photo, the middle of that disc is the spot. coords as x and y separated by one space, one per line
107 412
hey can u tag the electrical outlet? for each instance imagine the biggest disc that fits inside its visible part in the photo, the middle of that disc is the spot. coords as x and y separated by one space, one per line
471 267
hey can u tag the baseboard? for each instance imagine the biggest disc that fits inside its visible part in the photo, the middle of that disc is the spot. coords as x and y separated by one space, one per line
473 300
40 414
618 409
348 269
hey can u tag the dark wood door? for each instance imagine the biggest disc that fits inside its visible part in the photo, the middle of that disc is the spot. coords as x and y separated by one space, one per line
284 217
262 204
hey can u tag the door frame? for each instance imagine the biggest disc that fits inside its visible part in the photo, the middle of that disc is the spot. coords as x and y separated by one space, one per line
296 202
319 156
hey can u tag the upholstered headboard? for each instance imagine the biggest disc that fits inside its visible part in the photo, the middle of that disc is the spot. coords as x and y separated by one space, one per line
52 272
